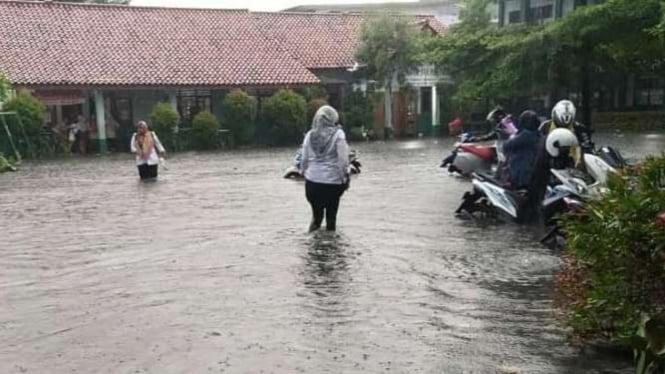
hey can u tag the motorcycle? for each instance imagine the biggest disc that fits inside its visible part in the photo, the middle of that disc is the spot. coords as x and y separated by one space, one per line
492 199
467 158
293 172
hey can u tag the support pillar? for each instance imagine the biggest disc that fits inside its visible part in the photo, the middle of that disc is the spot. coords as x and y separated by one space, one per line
100 114
435 112
173 100
58 115
419 101
388 109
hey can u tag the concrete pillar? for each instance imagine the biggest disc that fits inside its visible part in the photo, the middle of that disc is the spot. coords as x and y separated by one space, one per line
173 100
435 107
58 115
419 98
388 108
436 124
100 114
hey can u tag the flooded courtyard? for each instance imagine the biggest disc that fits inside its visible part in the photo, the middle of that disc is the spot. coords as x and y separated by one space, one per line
210 270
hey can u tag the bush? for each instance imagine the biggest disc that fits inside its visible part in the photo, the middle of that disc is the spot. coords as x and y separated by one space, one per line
315 92
164 120
358 114
6 164
239 114
312 106
31 111
285 114
205 129
615 271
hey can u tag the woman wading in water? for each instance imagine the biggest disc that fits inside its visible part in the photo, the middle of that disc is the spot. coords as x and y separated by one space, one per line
325 163
148 148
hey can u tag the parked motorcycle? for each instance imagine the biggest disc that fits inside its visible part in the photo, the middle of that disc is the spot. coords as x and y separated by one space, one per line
492 199
467 158
293 172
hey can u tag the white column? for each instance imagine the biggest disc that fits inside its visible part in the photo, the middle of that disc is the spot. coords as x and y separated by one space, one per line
435 107
173 100
100 114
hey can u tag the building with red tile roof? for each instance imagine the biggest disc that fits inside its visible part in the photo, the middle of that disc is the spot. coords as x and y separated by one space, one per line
115 62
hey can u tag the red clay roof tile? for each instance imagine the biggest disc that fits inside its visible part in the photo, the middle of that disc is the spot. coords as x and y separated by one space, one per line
322 40
72 44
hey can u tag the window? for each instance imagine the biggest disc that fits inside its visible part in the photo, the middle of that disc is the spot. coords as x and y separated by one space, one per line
542 13
649 92
191 103
514 16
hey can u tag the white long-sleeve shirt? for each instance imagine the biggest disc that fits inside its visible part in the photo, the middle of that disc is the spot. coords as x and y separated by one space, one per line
153 159
329 168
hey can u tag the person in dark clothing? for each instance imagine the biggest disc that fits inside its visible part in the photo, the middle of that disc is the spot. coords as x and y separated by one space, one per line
555 151
521 150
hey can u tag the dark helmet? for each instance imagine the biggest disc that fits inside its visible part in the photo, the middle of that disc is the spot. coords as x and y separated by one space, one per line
496 115
529 120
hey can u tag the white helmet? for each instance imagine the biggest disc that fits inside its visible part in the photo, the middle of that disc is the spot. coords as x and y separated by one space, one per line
558 139
563 113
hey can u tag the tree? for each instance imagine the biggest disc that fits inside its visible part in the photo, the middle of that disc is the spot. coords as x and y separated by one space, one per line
388 46
580 52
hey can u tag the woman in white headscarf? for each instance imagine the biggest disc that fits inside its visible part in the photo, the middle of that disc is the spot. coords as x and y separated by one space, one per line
147 147
325 163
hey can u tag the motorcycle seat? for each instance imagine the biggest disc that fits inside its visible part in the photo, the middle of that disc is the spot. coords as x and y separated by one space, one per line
482 151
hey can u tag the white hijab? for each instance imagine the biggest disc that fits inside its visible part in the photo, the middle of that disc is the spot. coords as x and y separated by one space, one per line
324 127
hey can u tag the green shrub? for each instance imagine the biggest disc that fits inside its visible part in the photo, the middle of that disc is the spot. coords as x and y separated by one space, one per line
31 111
5 89
205 128
358 114
315 92
615 271
239 114
6 164
285 114
312 106
164 120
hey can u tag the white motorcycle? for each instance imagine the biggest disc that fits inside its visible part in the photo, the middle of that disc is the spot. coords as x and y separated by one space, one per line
467 158
491 199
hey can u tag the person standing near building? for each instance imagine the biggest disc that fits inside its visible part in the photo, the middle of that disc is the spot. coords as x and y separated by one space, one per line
147 147
82 134
325 163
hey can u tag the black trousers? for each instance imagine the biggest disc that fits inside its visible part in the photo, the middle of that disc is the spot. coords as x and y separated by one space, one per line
324 199
148 171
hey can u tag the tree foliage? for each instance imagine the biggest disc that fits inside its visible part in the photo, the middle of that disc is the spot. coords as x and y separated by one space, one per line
388 46
492 62
30 110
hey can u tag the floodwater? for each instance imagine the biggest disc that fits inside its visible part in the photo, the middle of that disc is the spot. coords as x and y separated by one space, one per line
210 270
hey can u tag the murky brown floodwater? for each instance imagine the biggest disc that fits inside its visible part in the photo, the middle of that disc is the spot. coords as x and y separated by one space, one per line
210 270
